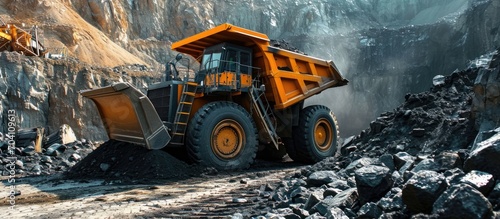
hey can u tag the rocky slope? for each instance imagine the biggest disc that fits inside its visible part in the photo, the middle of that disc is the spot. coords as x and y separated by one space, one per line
422 160
385 48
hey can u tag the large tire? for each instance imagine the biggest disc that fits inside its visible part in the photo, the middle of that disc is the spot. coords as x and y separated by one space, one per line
316 136
222 135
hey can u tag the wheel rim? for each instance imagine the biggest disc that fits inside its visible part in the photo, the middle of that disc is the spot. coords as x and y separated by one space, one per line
227 139
323 135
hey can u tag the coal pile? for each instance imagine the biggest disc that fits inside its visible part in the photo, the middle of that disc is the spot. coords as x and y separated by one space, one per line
120 160
54 158
429 158
283 44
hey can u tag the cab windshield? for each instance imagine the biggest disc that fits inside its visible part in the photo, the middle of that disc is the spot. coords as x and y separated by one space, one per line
211 60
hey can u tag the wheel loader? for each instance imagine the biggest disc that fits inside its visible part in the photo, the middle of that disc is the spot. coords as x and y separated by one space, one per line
247 96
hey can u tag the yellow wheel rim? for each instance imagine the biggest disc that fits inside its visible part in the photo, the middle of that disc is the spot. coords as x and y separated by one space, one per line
227 139
323 135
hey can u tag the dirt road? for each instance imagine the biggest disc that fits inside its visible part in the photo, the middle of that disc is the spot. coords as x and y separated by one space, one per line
215 196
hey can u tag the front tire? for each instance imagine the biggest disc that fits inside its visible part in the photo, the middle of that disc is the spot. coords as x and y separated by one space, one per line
316 136
222 135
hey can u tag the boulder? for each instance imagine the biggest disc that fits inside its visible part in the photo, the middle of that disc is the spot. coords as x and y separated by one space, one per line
482 181
402 159
336 213
55 149
320 178
421 190
331 192
426 164
485 156
392 201
462 201
373 182
453 176
388 161
298 193
448 160
353 166
339 184
344 199
315 216
312 200
369 210
29 150
494 196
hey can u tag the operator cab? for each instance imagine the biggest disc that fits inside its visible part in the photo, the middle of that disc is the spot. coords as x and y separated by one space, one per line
226 67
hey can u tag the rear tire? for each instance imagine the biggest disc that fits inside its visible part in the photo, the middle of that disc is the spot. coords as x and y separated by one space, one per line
222 135
316 136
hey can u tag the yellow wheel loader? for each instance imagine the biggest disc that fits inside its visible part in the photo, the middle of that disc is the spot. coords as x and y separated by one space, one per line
245 94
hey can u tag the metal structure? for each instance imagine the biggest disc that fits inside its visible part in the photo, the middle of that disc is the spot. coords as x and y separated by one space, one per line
246 93
13 38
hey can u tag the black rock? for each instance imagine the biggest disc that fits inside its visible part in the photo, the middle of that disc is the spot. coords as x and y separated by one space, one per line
388 161
369 210
421 190
320 178
373 182
331 192
426 164
462 201
75 157
393 201
353 166
485 157
402 158
339 184
4 145
104 166
29 151
55 149
315 216
296 209
494 196
336 213
482 181
46 159
312 200
393 215
345 199
418 132
292 216
298 192
449 160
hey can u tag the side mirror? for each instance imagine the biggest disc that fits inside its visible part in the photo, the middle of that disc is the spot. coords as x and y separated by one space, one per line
178 57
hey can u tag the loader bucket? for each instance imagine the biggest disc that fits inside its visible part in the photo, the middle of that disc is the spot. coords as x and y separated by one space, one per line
129 116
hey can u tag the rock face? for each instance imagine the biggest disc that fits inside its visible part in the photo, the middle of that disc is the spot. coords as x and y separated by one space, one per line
44 92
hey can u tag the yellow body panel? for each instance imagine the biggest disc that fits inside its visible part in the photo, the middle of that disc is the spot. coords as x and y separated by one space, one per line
289 77
228 79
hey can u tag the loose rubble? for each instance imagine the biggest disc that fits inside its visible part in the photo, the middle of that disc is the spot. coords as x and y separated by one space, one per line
434 156
59 152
